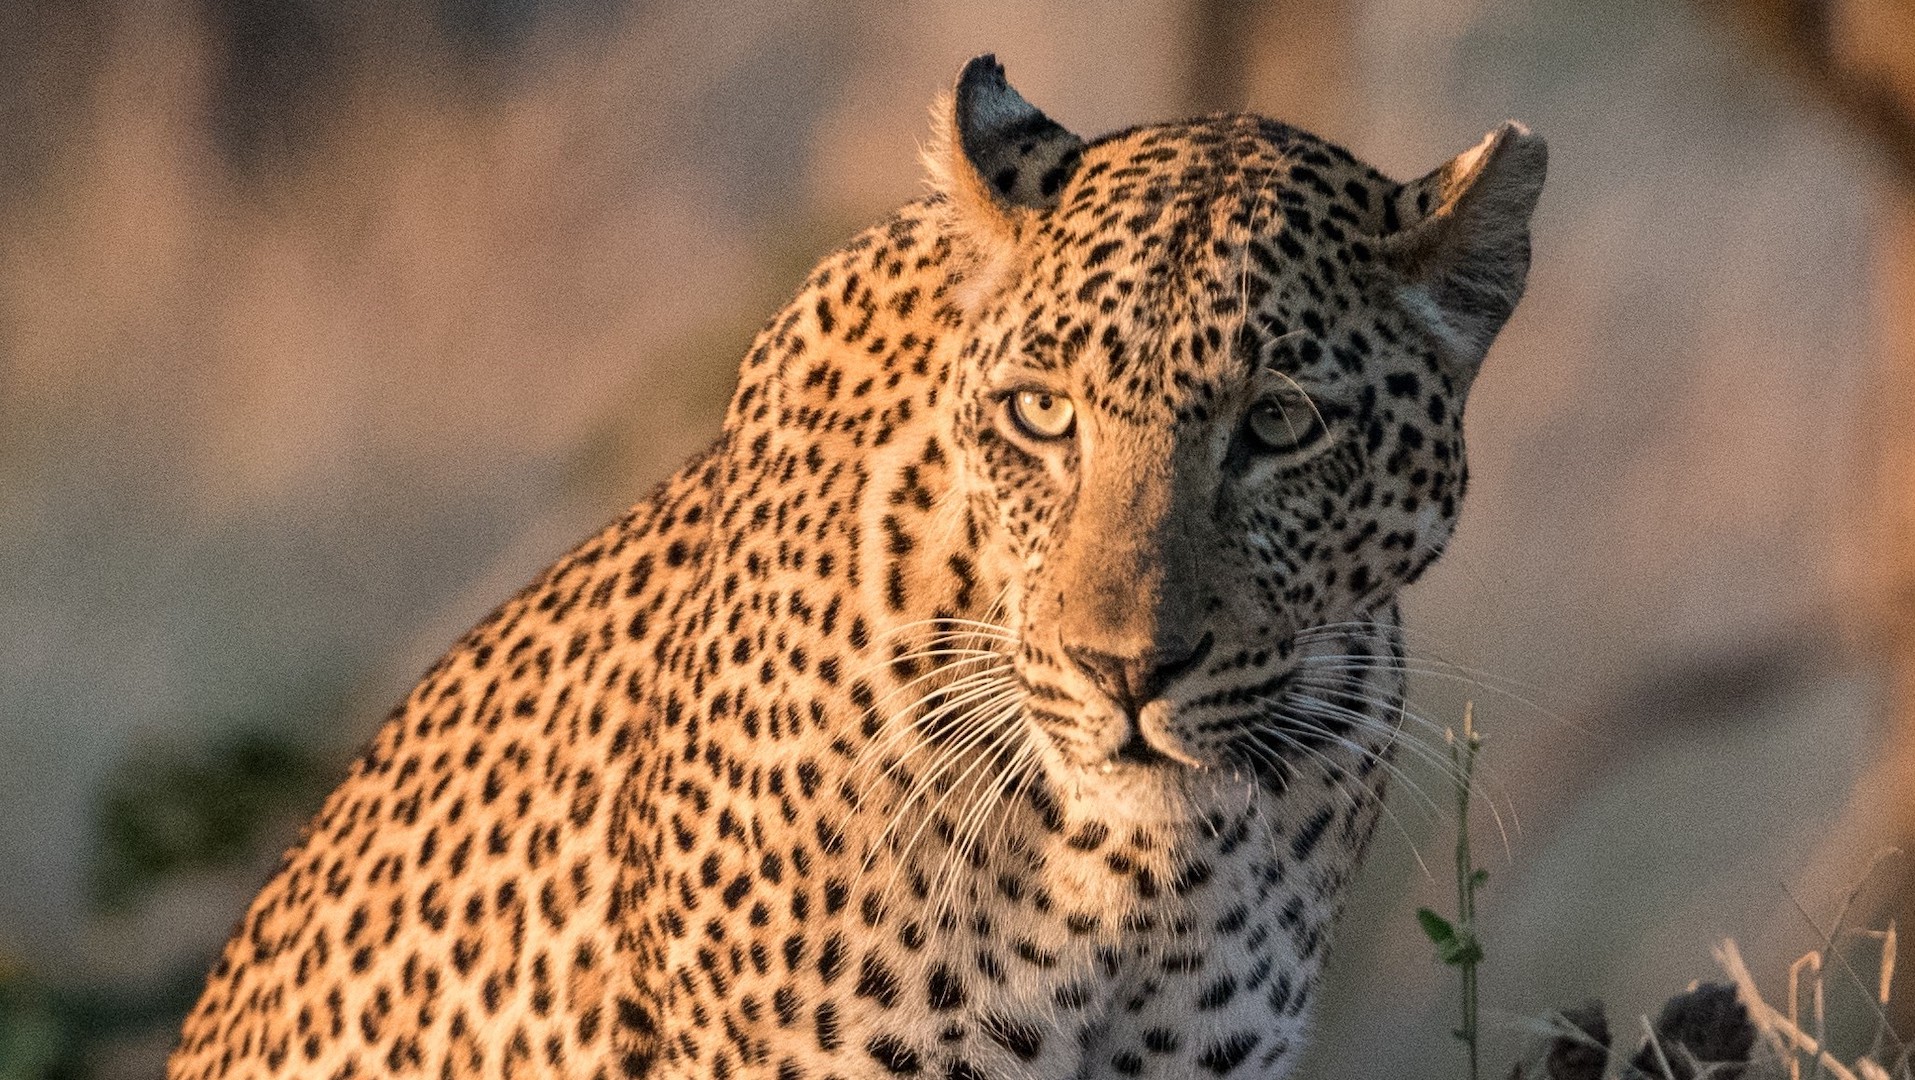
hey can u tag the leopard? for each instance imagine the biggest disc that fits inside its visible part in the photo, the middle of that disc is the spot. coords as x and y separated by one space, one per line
1011 690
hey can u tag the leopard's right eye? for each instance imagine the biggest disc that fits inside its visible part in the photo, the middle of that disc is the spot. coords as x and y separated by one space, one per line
1041 414
1276 429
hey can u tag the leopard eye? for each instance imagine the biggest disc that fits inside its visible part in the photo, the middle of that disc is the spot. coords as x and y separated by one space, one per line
1283 426
1041 414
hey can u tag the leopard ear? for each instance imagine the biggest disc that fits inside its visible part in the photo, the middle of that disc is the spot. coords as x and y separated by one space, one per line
995 156
1462 248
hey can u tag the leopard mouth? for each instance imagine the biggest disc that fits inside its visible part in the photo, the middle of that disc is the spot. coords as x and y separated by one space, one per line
1137 750
1265 725
1149 743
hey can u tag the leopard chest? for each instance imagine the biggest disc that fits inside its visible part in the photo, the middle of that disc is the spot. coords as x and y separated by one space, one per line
822 942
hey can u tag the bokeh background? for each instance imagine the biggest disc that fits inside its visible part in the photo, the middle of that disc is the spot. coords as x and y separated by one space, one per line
324 326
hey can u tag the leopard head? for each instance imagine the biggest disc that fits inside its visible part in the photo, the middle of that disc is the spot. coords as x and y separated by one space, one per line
1209 402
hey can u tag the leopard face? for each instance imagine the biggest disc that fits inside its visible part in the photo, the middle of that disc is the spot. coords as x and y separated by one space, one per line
1216 429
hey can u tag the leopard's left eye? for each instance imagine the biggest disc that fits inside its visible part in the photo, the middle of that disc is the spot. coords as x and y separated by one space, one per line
1284 426
1041 414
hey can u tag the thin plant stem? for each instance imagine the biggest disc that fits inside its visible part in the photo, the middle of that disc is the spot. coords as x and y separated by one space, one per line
1456 942
1463 755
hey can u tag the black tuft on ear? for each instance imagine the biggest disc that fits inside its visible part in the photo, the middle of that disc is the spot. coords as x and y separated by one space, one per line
1463 250
1021 156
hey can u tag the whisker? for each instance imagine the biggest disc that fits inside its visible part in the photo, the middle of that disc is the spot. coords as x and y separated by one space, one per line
1429 755
1299 715
1332 770
1434 669
967 730
943 669
1349 687
934 655
1026 762
1397 637
1363 721
1303 721
970 826
944 692
966 713
901 724
977 775
978 627
987 732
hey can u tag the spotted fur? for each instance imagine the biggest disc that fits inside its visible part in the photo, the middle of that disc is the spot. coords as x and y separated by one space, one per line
895 737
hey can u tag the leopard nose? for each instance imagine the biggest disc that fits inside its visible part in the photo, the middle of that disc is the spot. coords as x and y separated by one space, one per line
1133 681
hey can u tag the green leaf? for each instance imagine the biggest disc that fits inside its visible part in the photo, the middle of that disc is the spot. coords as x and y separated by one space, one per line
1439 930
1460 950
1479 877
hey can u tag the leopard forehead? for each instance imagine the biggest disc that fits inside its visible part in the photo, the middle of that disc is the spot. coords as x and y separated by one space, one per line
1179 256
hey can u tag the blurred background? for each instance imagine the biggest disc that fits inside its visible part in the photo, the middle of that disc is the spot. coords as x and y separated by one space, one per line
325 326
